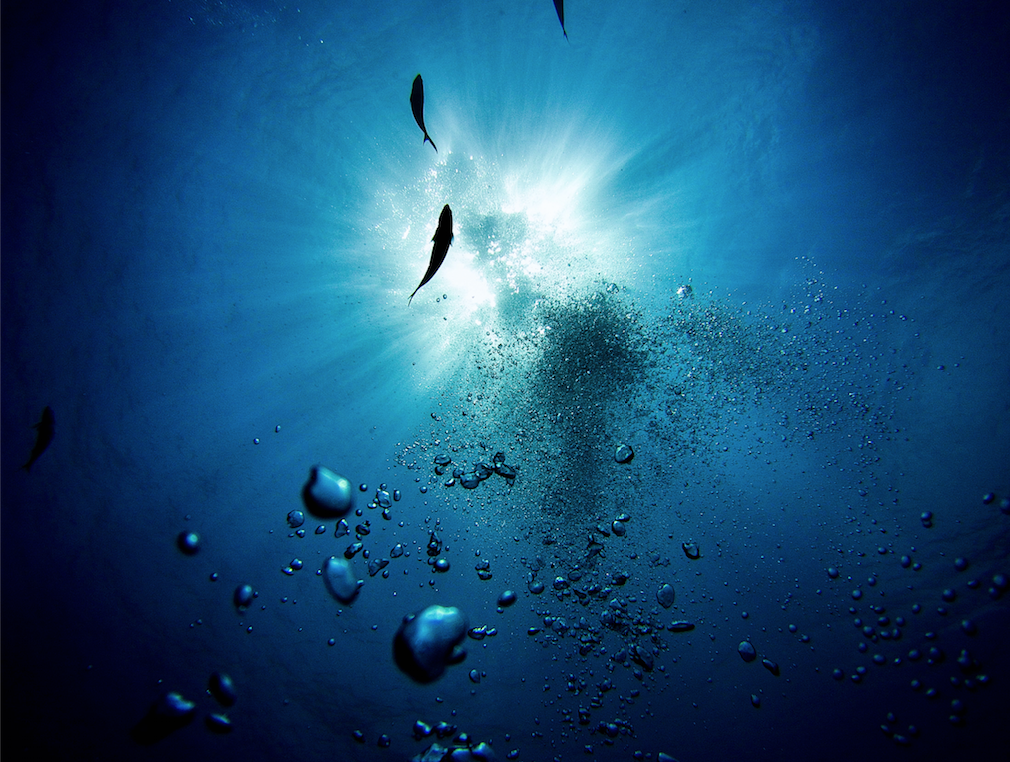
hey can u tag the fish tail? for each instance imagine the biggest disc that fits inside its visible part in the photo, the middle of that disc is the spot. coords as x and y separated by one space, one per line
27 467
429 140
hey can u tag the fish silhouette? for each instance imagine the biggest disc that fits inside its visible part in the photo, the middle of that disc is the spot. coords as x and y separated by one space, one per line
417 106
559 6
45 430
442 239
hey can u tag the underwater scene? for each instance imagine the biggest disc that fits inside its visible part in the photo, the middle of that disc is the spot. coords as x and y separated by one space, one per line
505 380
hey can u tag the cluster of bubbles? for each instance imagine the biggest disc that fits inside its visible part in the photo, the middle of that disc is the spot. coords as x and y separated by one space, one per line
594 606
563 378
885 635
579 392
172 711
567 381
480 472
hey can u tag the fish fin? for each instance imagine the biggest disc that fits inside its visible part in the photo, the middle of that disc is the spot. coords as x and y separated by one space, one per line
27 467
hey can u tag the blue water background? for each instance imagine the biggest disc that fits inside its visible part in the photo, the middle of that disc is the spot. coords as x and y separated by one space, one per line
212 216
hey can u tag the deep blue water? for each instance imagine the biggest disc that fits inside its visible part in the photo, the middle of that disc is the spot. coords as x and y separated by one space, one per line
212 216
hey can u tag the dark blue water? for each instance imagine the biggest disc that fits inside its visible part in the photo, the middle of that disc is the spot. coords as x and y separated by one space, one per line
765 245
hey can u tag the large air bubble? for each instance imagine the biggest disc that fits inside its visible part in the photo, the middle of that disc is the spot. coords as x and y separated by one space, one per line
343 584
326 494
426 642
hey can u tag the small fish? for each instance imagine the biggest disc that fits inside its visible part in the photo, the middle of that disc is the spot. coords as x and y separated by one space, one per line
559 6
45 429
442 239
417 106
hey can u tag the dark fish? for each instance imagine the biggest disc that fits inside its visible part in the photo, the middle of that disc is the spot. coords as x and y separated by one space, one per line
417 106
442 239
45 429
559 6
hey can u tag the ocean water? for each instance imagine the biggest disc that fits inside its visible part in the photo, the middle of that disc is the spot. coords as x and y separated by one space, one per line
764 245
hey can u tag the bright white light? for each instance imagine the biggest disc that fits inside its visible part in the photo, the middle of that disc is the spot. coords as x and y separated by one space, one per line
550 203
527 224
467 284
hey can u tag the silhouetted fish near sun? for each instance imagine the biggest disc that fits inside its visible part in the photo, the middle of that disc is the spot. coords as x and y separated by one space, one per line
417 106
442 239
45 429
559 6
